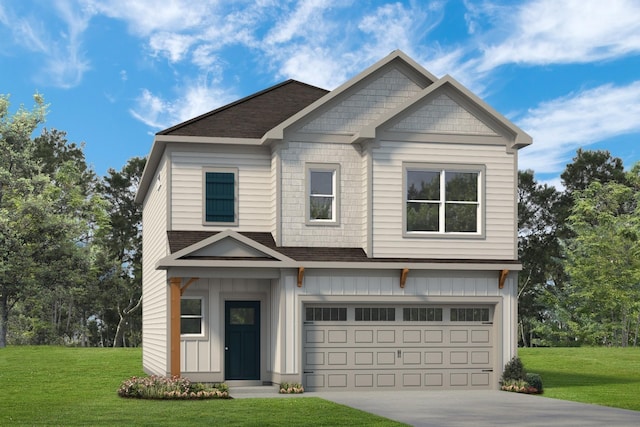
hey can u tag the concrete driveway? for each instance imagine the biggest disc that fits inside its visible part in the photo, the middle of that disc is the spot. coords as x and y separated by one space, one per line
480 408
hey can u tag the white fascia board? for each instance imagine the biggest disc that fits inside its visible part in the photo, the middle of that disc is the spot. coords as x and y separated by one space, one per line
208 140
167 262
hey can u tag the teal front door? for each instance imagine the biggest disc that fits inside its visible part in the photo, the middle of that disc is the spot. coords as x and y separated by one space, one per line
242 340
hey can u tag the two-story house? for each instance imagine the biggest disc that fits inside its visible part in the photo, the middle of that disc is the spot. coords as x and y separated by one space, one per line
362 238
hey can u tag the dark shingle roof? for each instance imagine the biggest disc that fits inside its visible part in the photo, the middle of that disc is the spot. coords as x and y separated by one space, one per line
179 240
253 116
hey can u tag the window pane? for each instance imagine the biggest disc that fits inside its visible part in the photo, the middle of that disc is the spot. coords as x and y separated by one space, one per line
321 207
461 218
321 182
242 316
309 314
423 185
191 306
190 326
461 186
422 217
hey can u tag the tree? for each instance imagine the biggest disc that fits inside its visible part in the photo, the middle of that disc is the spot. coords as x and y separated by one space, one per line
603 261
539 250
122 248
23 197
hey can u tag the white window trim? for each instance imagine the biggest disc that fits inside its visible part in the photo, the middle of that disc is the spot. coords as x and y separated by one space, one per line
442 168
236 184
335 208
203 323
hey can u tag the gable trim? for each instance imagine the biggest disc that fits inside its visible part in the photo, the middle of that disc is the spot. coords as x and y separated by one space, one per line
177 258
277 133
460 94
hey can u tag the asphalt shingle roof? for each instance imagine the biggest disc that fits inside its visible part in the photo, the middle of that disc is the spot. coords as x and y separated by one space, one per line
252 116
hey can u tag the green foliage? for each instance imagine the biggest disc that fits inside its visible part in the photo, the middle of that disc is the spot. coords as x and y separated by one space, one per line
156 387
535 381
514 371
598 375
46 385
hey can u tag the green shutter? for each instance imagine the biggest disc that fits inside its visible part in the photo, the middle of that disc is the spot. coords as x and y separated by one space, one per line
220 195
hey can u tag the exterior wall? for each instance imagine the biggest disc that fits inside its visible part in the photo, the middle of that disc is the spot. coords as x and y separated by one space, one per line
155 291
361 286
382 92
499 201
254 180
202 358
295 231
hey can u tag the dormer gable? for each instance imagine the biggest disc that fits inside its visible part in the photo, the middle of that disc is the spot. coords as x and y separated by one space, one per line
446 108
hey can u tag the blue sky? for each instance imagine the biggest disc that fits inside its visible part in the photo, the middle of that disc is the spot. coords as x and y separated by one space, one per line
117 71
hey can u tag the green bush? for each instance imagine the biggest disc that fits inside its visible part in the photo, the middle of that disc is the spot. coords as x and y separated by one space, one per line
157 387
514 371
534 381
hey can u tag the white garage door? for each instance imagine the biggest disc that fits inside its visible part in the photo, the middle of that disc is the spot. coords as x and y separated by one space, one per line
397 347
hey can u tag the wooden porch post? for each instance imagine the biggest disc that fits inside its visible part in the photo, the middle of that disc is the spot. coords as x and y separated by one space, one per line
175 283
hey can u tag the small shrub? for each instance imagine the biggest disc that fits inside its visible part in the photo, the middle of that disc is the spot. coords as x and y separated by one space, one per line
535 381
514 370
157 387
291 388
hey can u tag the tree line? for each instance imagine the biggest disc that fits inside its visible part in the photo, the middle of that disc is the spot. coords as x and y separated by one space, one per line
70 246
70 241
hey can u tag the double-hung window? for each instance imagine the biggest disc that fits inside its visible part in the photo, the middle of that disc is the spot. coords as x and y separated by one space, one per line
221 196
322 193
192 316
443 200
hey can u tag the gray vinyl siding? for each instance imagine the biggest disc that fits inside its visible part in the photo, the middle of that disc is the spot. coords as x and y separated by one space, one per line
499 201
254 181
154 282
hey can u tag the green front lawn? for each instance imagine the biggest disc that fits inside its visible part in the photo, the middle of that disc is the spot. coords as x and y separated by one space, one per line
599 375
77 386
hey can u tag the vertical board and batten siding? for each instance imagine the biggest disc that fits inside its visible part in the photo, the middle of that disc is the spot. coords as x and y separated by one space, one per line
202 357
254 184
155 315
295 230
499 205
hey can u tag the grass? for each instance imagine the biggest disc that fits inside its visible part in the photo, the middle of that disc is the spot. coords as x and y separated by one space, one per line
78 386
598 375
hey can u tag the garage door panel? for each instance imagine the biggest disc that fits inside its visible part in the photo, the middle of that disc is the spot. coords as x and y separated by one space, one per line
397 355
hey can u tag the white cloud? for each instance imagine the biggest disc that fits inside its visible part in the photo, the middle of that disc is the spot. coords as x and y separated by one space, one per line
195 99
560 126
171 45
145 17
550 32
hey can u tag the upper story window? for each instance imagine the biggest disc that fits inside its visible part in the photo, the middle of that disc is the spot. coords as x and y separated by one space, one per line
221 196
322 193
443 200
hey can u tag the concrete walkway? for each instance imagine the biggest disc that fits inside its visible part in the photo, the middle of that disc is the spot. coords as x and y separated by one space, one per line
467 408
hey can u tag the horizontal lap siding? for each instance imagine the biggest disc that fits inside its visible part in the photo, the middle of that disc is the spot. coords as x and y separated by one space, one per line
255 197
499 203
154 282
